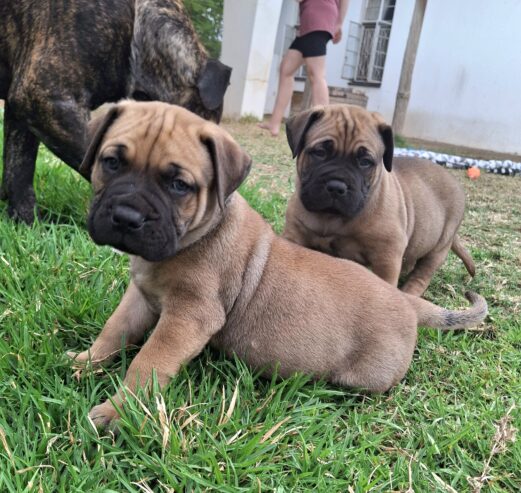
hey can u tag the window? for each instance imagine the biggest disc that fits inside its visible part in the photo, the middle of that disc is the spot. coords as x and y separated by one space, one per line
352 49
368 42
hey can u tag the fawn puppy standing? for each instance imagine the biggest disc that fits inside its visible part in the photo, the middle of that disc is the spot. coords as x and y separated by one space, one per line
354 200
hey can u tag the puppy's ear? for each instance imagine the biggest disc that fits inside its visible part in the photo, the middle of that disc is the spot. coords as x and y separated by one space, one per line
230 163
96 130
297 127
386 132
387 136
213 82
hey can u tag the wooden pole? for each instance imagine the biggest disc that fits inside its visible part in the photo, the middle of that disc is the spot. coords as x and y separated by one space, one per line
409 58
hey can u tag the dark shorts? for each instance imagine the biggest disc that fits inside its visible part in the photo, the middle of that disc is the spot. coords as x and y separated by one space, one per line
311 44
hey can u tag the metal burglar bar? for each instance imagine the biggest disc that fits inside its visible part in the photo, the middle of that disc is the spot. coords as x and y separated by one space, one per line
352 50
376 30
366 50
381 52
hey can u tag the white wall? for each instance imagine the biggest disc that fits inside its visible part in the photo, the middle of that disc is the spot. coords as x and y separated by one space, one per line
288 16
467 76
236 54
249 33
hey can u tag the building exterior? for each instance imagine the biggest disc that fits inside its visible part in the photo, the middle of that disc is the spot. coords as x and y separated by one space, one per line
467 76
465 83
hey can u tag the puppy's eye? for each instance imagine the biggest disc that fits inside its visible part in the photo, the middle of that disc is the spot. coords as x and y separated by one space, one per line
365 162
110 163
180 187
322 150
318 152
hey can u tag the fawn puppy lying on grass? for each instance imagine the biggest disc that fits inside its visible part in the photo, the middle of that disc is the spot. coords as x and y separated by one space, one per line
207 269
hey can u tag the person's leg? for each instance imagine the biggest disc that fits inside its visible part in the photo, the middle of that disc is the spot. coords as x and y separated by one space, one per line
316 70
290 63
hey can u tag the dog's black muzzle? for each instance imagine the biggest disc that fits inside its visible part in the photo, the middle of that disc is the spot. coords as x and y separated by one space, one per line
127 218
135 220
334 189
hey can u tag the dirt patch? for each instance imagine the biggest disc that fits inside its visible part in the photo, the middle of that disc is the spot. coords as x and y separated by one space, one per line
273 166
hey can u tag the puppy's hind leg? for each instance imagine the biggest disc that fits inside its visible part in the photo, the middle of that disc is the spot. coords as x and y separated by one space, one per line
127 326
458 248
419 279
370 378
381 368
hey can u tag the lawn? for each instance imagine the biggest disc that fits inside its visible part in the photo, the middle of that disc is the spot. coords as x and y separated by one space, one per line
221 427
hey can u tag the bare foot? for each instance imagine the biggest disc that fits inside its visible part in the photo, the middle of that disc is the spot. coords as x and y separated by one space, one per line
274 129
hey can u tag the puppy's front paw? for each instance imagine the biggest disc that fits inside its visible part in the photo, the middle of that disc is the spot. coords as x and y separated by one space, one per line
103 415
87 358
80 358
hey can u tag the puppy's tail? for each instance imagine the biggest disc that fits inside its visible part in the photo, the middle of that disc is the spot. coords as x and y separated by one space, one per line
430 315
458 248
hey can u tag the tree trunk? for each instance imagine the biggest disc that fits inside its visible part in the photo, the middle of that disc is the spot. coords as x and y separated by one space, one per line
404 88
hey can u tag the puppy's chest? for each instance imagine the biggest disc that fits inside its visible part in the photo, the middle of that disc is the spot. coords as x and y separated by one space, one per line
339 246
149 288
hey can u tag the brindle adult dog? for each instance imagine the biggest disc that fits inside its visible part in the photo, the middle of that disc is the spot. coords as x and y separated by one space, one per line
354 200
59 60
206 268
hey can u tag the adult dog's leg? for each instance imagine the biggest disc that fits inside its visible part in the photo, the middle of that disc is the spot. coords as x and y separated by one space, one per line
62 127
58 121
20 150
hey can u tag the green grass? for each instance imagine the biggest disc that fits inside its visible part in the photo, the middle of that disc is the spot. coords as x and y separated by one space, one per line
432 432
400 141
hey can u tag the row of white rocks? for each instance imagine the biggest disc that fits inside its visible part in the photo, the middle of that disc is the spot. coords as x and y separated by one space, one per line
506 167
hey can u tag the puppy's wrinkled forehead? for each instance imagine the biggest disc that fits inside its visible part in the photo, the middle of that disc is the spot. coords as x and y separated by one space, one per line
349 128
157 137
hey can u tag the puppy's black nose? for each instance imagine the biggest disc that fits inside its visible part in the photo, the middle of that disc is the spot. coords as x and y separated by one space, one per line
336 187
127 217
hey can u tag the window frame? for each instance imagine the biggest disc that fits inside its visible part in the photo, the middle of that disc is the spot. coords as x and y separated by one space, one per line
376 25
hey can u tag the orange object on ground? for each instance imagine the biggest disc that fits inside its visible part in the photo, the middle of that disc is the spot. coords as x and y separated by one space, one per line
473 173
